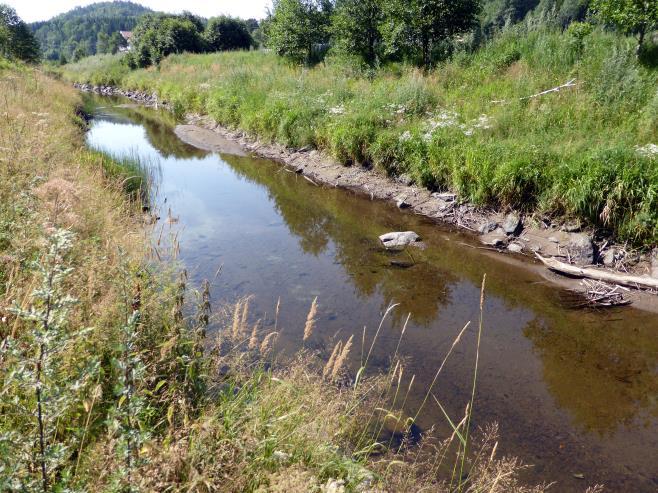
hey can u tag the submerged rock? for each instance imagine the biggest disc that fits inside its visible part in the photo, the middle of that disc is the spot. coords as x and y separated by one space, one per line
399 239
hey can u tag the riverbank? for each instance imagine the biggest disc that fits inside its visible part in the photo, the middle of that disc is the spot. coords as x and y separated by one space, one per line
128 390
478 126
512 232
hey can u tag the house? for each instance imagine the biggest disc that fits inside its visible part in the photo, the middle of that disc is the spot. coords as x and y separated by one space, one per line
127 36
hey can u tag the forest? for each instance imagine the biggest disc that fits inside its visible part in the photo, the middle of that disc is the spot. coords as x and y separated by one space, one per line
88 30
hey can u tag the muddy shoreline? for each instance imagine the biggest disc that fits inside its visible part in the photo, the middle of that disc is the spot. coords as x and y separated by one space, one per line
497 231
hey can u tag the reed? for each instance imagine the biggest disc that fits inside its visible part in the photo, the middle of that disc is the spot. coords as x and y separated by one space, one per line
253 340
329 366
341 360
310 320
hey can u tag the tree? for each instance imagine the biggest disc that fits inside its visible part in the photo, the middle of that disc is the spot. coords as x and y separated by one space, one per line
413 27
299 28
102 43
198 22
636 17
356 28
79 53
115 42
157 36
16 39
226 33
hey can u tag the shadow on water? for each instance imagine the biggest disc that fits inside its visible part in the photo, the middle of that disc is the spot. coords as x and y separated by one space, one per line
574 392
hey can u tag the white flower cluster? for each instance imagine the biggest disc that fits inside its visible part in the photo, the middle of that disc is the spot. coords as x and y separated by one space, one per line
405 136
398 109
648 150
337 110
447 118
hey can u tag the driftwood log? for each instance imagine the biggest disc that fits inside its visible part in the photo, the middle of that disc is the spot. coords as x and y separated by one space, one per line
646 282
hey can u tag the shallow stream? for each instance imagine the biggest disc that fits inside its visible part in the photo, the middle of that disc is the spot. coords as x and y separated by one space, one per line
575 392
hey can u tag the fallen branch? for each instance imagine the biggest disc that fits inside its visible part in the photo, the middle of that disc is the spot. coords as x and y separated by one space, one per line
569 84
645 282
311 181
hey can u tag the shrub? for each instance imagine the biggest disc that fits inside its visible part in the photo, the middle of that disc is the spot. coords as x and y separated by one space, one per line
226 33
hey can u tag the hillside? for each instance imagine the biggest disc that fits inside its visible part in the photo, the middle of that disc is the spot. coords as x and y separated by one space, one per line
87 30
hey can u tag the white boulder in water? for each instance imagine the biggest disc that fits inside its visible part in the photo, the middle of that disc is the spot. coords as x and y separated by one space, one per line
399 239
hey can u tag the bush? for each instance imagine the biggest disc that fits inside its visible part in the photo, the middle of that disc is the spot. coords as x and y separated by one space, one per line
225 33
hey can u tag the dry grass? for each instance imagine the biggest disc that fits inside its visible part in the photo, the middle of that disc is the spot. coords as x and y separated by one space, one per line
310 319
47 180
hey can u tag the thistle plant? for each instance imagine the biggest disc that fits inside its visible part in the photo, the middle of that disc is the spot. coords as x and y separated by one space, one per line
43 380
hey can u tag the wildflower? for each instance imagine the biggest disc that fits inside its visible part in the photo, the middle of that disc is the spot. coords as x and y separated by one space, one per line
406 136
337 110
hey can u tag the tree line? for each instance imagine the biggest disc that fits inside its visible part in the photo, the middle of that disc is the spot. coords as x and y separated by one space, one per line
16 39
368 32
159 35
424 31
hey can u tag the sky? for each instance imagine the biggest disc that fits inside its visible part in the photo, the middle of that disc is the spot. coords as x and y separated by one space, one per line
40 10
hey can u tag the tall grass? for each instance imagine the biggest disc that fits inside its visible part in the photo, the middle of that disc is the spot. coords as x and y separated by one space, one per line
462 127
99 70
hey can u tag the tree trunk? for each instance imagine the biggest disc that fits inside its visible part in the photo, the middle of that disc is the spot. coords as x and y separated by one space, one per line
642 33
426 52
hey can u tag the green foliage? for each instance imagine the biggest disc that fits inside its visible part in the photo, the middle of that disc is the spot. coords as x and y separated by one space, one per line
226 33
355 28
157 36
414 28
16 40
95 28
99 70
299 28
42 388
636 17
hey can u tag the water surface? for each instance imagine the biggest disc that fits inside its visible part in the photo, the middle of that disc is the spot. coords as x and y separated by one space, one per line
574 392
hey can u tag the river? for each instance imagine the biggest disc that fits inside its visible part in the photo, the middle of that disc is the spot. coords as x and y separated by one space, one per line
574 392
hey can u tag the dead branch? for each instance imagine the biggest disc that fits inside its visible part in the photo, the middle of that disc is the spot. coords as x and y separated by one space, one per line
639 282
567 85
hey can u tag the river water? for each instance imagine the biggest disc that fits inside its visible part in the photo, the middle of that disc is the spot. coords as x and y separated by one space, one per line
574 392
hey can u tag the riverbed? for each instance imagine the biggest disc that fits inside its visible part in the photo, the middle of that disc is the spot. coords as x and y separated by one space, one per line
574 392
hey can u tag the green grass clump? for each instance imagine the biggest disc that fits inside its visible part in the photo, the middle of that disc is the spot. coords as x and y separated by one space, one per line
468 126
99 70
